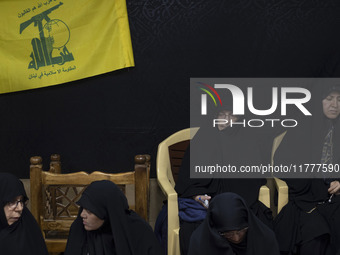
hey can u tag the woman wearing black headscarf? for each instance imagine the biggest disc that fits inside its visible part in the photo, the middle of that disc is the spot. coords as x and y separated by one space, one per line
224 144
106 226
19 232
230 228
308 222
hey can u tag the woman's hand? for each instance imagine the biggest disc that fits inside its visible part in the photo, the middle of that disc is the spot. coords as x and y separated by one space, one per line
202 198
334 188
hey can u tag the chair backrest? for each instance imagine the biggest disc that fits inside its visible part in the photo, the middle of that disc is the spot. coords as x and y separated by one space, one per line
276 143
171 152
169 159
280 185
54 195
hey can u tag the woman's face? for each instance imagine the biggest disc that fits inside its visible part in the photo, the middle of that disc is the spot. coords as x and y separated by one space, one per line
90 220
13 210
228 116
235 236
331 105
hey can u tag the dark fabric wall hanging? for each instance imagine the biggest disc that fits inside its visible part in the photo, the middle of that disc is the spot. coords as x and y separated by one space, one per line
100 123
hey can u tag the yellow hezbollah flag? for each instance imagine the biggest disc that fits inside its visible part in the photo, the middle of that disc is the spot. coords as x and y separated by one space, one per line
44 43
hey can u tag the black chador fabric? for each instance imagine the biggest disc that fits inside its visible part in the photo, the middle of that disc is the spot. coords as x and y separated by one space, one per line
309 214
228 212
123 231
233 146
23 236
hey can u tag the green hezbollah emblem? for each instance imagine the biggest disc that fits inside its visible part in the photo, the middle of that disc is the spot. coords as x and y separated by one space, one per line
58 36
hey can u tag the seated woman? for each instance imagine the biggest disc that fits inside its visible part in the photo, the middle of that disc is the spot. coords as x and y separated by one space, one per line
223 145
308 223
105 225
230 228
19 232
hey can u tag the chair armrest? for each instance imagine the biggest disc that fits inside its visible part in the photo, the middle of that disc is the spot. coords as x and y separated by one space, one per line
173 219
264 195
166 186
171 196
282 190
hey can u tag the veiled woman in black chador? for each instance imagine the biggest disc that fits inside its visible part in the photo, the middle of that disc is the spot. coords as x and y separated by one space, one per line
230 228
106 226
224 145
310 222
19 232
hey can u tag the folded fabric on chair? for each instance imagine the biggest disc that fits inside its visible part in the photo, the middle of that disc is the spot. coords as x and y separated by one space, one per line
190 210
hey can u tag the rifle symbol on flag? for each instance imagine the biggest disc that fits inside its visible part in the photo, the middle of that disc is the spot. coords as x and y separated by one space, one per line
43 47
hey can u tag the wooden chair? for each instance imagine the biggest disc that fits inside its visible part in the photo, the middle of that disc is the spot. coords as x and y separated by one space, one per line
54 195
169 158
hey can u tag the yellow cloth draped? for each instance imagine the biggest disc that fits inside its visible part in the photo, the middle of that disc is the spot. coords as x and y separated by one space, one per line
45 43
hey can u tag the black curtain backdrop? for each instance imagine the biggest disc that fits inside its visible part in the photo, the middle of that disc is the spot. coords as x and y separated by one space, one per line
100 123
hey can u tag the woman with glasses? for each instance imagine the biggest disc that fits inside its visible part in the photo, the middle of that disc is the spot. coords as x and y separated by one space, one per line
106 226
230 228
19 232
